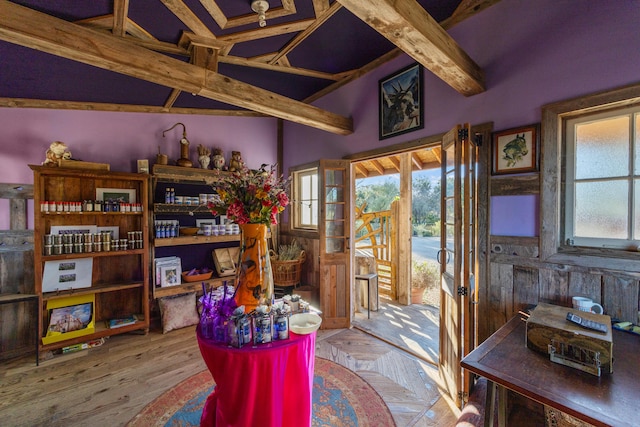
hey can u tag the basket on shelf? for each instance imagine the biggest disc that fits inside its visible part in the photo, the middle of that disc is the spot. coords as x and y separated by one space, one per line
286 273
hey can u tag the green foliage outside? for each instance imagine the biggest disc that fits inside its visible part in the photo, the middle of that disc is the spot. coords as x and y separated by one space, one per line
426 202
424 274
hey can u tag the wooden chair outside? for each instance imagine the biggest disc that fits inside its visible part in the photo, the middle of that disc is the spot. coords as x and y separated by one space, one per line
375 233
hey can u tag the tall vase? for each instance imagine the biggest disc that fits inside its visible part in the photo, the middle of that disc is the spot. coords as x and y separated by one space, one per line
254 278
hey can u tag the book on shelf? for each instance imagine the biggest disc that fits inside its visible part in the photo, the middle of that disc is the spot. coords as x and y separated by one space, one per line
124 321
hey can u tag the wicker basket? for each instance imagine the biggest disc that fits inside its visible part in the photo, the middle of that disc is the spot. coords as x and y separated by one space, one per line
286 273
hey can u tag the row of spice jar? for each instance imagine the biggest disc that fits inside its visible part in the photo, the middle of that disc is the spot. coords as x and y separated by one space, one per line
89 206
77 243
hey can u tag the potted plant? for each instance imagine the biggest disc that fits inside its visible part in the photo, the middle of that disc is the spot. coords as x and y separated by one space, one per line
423 275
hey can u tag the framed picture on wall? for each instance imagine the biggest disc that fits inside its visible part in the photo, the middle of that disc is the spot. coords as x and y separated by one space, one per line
401 106
516 150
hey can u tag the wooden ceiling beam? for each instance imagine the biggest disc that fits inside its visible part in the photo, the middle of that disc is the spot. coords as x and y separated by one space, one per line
377 166
361 170
407 25
188 18
120 12
36 30
307 32
415 159
395 161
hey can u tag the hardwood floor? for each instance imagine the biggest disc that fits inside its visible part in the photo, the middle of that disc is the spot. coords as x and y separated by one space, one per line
108 385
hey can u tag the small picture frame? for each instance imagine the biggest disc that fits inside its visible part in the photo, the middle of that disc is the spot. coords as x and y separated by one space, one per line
116 194
401 105
170 275
143 166
516 150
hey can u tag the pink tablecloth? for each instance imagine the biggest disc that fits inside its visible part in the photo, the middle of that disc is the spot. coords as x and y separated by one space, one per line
267 385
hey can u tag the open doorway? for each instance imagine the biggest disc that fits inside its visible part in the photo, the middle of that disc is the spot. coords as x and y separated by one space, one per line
412 324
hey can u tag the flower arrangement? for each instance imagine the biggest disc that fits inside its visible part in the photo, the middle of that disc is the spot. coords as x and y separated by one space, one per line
251 196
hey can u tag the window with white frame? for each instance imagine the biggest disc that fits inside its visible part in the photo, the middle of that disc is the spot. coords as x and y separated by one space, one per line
305 203
602 191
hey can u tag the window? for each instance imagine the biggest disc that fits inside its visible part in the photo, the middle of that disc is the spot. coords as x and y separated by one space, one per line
602 203
305 197
590 180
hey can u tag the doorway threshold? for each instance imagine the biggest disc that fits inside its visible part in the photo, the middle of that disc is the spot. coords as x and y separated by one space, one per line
413 328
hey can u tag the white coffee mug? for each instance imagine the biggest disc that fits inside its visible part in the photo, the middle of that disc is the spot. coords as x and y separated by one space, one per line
586 304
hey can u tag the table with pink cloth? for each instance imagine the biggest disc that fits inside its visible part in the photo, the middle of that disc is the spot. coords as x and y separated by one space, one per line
266 384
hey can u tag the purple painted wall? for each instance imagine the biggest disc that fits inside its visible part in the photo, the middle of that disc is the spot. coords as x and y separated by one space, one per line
122 138
532 53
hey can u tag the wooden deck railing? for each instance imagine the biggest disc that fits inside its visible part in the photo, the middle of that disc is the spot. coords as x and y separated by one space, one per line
376 234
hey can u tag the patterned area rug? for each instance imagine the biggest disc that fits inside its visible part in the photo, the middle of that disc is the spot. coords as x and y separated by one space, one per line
340 399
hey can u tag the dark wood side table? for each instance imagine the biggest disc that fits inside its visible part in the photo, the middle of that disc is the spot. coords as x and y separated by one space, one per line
16 298
507 363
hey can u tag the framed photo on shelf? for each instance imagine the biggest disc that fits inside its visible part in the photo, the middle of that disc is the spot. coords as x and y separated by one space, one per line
170 275
69 317
117 194
67 274
516 150
401 107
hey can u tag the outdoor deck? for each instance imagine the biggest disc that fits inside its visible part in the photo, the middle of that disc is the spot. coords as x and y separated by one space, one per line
412 328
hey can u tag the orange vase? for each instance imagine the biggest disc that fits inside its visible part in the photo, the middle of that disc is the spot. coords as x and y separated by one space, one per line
254 278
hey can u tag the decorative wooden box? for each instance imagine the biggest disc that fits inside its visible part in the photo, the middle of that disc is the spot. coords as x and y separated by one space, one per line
549 332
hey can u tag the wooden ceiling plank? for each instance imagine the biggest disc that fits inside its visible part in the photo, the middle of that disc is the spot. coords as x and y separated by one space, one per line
407 25
216 13
129 108
320 6
188 18
252 18
172 98
259 63
268 31
26 27
120 12
437 152
466 9
415 159
361 171
395 161
377 166
206 57
307 32
105 22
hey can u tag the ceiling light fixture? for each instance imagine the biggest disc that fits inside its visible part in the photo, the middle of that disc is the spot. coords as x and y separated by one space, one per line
260 7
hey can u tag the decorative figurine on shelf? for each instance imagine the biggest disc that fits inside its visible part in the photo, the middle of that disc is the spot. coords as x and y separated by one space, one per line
218 158
236 163
184 147
203 156
56 152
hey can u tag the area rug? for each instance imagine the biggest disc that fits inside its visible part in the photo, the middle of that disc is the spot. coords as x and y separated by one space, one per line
340 399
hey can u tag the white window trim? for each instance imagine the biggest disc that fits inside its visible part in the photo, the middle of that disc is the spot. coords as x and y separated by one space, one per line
629 178
296 213
552 163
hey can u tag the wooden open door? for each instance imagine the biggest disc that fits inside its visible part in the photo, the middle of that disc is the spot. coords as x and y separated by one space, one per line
457 257
334 227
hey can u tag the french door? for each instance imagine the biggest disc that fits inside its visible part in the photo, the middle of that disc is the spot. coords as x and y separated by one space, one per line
334 227
457 257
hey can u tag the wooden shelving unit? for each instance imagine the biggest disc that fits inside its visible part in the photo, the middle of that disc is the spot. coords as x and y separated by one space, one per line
189 182
119 283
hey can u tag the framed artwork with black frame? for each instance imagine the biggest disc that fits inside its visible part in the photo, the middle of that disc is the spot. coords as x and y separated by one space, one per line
401 107
516 150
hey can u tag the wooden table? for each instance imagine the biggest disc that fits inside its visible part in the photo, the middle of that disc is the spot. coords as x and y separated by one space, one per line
608 400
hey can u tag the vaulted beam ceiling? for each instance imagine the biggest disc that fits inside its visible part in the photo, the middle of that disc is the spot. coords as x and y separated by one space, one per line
37 30
407 25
